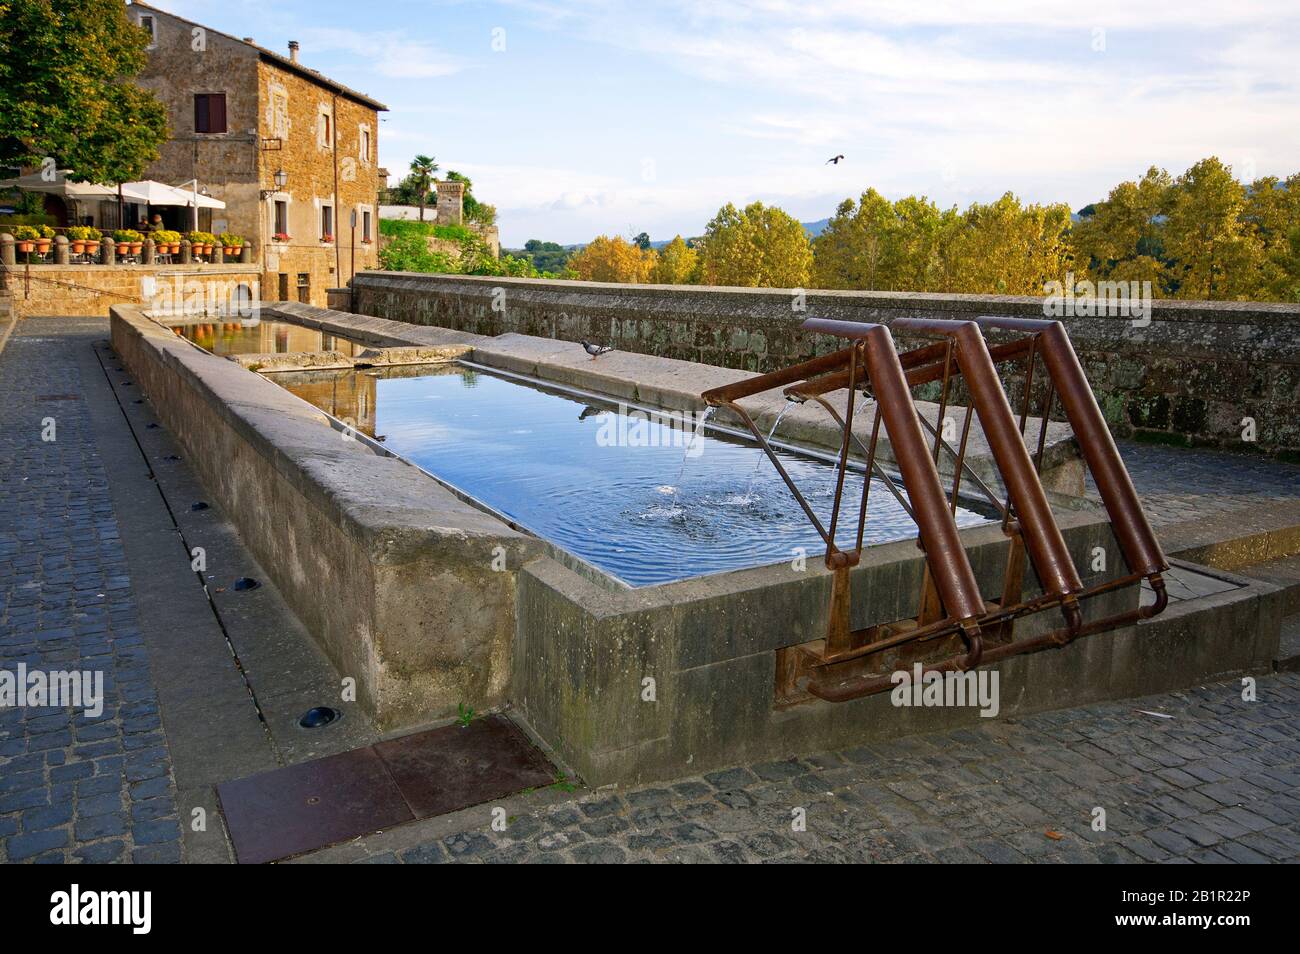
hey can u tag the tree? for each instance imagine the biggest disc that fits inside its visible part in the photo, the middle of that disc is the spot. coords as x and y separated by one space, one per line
67 91
676 264
642 241
1003 248
1211 249
1122 238
761 247
408 192
1272 216
877 244
612 260
422 170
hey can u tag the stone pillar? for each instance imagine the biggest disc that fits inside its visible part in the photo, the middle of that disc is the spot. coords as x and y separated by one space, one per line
185 252
246 254
7 254
60 250
218 254
451 203
109 247
147 257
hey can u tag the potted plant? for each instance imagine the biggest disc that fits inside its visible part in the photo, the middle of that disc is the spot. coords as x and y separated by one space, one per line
26 237
231 243
129 241
167 242
281 237
44 239
327 237
83 239
196 243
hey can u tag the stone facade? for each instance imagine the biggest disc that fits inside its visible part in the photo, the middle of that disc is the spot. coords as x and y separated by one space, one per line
1191 375
94 289
278 115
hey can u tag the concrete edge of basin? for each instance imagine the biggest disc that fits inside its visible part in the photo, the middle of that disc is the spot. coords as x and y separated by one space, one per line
421 585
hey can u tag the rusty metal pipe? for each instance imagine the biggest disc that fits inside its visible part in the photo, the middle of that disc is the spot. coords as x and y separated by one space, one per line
1132 530
1043 541
953 576
748 387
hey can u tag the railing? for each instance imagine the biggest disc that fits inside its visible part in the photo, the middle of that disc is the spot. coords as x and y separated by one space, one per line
955 628
60 250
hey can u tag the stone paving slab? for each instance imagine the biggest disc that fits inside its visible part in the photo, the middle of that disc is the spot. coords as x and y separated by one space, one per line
1199 776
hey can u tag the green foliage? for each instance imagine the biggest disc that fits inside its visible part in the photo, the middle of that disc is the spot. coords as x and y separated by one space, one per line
402 227
464 715
66 90
19 220
760 247
127 235
545 256
26 233
231 240
86 233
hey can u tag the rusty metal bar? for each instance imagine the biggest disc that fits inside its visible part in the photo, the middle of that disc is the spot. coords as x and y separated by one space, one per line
1132 530
1047 549
954 578
748 387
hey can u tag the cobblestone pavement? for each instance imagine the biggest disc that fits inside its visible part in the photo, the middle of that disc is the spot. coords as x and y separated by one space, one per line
1217 781
1179 484
71 787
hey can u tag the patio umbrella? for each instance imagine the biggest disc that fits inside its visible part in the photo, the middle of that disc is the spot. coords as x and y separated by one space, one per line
60 186
159 193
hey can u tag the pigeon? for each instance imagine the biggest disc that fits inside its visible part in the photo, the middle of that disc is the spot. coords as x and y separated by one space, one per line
595 350
834 160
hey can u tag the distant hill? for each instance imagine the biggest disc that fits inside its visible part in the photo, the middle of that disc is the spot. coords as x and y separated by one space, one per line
815 229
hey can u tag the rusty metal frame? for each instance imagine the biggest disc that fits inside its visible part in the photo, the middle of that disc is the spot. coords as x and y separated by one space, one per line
955 628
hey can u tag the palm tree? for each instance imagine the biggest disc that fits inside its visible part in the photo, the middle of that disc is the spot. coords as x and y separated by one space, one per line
422 170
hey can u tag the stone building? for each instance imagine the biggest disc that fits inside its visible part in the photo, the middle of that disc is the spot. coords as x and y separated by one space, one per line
292 153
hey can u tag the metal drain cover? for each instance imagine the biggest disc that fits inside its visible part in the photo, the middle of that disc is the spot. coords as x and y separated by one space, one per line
299 808
317 717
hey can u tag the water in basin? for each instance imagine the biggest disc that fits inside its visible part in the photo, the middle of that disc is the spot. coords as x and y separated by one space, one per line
261 336
607 486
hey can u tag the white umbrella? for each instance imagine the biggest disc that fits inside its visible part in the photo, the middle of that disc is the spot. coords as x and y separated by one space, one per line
159 193
59 185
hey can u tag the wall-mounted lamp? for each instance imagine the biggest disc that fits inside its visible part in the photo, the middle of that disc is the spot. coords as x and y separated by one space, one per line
281 180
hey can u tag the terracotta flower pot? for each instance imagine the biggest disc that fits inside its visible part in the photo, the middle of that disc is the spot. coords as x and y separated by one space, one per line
123 248
25 245
174 248
136 247
42 245
78 247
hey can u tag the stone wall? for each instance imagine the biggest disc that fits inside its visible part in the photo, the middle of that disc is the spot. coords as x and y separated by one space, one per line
1189 376
94 289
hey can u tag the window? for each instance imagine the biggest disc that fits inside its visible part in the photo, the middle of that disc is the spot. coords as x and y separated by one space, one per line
365 226
327 222
209 112
147 23
365 144
281 217
304 287
326 128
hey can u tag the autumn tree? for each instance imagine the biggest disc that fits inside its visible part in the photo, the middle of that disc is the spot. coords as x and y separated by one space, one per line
878 244
761 247
67 90
677 264
1272 215
1209 245
614 259
1122 238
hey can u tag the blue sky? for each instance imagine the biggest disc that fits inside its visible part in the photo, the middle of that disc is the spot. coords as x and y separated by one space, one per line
616 118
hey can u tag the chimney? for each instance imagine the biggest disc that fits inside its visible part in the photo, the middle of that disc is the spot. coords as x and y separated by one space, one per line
293 51
249 40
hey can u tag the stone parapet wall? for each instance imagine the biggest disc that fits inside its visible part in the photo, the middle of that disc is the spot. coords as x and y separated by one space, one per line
1190 375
